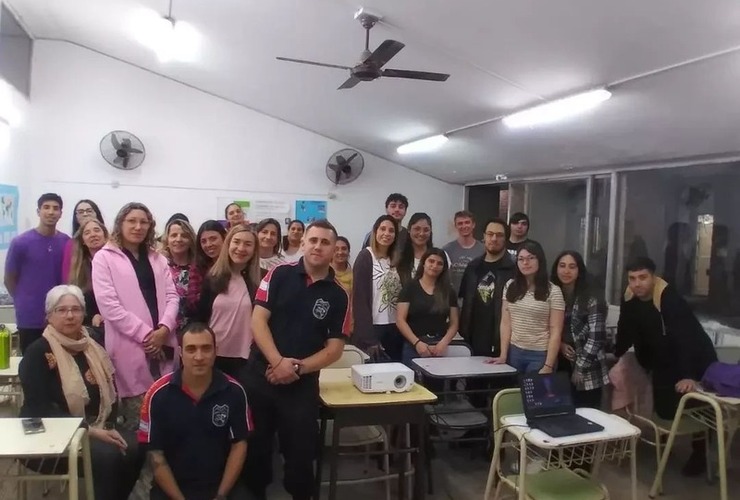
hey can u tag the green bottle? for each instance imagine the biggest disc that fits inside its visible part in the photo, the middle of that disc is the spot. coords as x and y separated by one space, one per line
4 347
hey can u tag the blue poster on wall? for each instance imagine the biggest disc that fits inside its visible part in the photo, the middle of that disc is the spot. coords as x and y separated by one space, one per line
8 214
308 211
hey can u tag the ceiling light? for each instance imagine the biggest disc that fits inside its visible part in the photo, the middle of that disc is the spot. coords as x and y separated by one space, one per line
170 39
422 145
557 110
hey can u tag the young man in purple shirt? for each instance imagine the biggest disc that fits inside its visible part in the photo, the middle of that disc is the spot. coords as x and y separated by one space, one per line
33 266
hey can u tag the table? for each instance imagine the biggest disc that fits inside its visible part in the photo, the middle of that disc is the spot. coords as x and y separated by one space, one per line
462 366
722 414
617 440
9 378
343 403
63 436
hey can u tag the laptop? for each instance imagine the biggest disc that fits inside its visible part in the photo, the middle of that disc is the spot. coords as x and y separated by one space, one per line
548 406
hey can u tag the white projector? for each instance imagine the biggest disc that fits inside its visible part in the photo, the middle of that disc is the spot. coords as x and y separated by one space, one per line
382 377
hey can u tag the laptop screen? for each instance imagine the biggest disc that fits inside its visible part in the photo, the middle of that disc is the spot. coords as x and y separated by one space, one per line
547 394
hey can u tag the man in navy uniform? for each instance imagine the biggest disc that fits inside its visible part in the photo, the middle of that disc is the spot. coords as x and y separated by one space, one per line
194 424
300 322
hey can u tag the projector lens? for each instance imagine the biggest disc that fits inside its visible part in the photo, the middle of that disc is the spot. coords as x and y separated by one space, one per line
400 381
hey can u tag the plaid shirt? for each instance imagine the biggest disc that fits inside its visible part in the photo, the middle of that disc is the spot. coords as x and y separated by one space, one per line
188 282
586 332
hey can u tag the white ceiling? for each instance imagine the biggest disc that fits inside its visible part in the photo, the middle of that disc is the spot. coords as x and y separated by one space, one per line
502 55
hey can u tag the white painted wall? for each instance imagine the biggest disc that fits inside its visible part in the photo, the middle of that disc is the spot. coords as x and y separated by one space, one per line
199 148
14 163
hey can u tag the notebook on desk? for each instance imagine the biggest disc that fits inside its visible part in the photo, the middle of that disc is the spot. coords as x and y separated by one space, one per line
548 406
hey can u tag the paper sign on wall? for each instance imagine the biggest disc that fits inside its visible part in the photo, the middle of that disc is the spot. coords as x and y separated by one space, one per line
308 211
8 214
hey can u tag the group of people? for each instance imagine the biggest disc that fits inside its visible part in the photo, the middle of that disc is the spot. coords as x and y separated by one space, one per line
202 342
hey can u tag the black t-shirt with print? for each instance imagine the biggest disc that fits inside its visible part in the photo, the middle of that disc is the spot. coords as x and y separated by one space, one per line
483 315
422 318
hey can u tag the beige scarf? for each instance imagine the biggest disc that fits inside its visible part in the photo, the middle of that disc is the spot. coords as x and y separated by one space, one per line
73 384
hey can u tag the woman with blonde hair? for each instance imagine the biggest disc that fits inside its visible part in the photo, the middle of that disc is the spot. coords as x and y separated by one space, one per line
139 302
178 247
226 299
89 238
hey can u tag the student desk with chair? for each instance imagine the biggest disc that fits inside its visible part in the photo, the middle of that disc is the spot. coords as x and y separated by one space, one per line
10 383
343 403
62 437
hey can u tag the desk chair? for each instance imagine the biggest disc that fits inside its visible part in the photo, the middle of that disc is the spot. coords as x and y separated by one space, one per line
661 428
360 436
552 484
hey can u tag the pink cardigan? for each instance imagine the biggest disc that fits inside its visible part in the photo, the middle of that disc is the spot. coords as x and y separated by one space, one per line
127 318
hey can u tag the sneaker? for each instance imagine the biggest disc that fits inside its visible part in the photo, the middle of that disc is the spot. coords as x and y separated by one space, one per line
696 465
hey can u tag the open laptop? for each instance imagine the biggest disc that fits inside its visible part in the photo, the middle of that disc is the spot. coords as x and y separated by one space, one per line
548 406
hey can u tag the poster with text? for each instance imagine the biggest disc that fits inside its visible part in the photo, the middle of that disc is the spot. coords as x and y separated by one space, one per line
308 211
8 214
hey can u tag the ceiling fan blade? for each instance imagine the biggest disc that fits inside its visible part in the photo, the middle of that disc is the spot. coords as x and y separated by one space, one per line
313 63
125 162
352 157
384 53
349 83
340 160
134 150
337 176
117 160
335 168
114 142
415 75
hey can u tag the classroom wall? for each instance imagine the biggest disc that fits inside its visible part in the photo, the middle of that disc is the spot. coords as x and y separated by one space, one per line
14 165
199 148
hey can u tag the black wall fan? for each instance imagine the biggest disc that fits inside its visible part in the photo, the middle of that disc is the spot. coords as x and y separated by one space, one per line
122 150
371 64
344 166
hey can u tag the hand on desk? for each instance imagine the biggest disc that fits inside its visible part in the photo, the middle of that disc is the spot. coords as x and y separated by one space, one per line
284 372
423 349
686 385
495 361
439 349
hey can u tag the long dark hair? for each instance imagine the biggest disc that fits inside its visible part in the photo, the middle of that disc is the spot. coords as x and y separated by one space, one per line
406 261
583 291
202 260
374 236
442 287
286 244
518 288
94 206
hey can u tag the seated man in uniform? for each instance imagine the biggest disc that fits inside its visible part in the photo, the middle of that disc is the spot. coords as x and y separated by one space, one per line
194 423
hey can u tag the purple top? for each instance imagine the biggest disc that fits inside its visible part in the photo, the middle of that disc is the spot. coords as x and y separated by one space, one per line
36 262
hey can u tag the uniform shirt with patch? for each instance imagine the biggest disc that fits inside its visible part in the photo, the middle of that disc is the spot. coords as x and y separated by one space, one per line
195 435
304 314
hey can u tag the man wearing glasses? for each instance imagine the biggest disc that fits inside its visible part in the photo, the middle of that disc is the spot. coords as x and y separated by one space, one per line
34 266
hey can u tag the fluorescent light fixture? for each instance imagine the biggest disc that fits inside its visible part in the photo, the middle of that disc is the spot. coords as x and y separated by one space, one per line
170 39
557 110
422 145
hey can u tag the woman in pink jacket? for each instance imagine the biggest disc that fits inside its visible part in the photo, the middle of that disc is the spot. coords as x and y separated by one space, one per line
139 303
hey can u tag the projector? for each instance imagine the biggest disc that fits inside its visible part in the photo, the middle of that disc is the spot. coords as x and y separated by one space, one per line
382 377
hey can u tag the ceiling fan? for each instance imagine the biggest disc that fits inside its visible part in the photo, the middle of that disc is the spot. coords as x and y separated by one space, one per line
371 64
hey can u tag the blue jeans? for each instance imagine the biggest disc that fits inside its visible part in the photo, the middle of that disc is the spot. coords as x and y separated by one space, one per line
526 360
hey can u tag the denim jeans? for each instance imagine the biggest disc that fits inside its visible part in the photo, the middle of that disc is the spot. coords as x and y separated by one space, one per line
526 360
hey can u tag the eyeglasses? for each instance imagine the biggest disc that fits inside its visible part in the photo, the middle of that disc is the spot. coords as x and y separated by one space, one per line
74 310
84 211
530 258
495 235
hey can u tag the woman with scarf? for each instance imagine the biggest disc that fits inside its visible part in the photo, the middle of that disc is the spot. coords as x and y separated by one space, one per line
66 373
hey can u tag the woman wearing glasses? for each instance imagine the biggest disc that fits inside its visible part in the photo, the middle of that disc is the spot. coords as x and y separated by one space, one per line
139 302
83 211
532 314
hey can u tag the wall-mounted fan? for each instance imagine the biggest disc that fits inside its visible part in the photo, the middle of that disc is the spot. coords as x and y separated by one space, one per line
122 150
344 166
